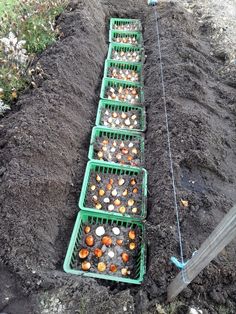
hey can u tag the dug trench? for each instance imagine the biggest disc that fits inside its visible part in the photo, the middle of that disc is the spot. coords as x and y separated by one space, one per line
44 146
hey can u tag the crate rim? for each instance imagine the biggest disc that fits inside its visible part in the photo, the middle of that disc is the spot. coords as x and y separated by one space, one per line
113 19
124 62
85 183
125 46
127 32
115 131
138 85
70 249
101 104
138 64
140 41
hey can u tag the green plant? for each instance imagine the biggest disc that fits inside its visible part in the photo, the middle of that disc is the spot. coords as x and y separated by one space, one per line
27 28
224 310
171 308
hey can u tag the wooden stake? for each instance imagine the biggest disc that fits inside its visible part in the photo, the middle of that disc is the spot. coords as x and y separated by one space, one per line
223 234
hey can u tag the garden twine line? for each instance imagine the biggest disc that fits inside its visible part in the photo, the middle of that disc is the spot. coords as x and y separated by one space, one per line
185 280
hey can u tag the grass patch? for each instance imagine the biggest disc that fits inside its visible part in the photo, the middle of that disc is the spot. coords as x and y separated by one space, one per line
7 6
27 28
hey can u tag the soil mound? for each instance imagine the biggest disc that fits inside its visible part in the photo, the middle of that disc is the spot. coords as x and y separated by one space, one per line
43 153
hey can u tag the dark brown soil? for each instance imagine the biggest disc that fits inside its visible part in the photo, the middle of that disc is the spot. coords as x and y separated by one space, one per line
44 145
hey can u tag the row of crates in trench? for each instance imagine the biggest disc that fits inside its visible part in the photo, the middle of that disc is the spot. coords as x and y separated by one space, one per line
108 239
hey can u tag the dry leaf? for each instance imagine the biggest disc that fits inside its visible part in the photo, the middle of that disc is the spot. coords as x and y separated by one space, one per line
184 203
14 94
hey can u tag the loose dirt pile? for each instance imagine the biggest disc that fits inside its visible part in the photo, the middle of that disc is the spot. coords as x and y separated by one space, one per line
218 20
44 145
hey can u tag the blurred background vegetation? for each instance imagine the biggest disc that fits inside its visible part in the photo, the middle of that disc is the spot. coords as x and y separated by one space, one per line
27 27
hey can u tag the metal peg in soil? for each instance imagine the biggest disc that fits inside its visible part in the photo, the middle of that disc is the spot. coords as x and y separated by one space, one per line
128 94
123 74
121 120
126 56
114 249
115 193
114 150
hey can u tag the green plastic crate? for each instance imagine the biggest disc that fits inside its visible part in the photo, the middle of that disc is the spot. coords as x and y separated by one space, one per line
115 34
107 82
117 22
125 48
116 135
113 168
84 217
120 65
120 107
